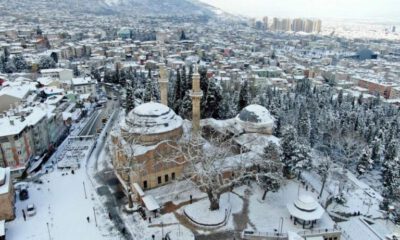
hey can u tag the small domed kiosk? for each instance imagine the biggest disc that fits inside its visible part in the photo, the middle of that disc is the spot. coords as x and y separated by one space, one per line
256 119
306 211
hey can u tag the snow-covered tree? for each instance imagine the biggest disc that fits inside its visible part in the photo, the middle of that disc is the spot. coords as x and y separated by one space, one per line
295 154
46 62
365 162
20 63
244 96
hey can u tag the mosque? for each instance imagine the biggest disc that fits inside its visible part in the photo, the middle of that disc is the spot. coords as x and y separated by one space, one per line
142 142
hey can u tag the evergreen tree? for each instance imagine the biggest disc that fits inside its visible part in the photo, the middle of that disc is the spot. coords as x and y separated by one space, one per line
186 107
272 152
304 125
20 63
10 67
183 36
213 101
365 162
243 96
340 97
391 151
46 62
130 104
178 92
189 78
294 154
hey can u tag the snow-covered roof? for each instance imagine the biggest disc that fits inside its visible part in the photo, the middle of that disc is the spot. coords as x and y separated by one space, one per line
294 236
306 208
356 228
151 118
52 70
16 91
5 187
150 203
14 125
82 81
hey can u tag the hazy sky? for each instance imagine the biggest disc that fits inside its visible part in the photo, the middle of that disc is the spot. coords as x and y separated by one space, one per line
360 9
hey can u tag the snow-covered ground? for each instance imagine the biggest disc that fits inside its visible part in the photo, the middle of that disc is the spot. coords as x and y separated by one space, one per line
265 215
200 211
61 210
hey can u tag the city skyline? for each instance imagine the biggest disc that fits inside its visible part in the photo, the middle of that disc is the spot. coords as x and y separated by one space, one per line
384 10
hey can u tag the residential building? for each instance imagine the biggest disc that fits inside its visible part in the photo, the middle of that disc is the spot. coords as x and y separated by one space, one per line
7 210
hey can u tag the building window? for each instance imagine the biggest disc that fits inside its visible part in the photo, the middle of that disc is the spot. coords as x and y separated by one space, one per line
173 176
159 180
166 178
145 184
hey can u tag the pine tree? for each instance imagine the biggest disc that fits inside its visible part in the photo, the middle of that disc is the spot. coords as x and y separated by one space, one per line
340 97
272 152
294 154
20 63
130 104
213 101
189 78
391 151
178 92
243 96
365 162
304 124
186 107
46 62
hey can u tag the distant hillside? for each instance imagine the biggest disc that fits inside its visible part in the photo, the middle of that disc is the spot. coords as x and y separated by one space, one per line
138 7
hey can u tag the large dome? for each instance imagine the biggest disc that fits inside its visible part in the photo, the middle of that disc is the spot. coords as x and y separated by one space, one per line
152 118
256 118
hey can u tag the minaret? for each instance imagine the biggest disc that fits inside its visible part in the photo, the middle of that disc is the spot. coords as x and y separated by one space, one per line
196 94
163 81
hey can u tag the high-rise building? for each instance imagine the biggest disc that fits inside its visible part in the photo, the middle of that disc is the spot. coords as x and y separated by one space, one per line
265 21
298 25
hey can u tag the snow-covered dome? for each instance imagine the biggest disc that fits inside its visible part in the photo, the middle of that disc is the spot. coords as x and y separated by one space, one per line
306 203
256 118
152 119
305 208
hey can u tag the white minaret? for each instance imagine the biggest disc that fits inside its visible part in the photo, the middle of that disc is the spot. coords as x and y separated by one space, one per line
196 94
163 81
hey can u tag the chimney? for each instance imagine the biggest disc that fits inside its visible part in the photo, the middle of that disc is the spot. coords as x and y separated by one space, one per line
163 81
196 94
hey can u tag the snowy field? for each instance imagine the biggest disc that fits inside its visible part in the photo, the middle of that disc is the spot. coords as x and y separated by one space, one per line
265 215
62 209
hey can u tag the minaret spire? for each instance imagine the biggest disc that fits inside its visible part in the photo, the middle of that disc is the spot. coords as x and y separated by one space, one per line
163 82
196 94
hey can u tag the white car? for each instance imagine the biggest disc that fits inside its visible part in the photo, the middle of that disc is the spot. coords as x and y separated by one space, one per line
31 210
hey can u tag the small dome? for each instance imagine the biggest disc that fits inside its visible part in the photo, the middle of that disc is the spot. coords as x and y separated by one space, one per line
306 203
256 118
151 118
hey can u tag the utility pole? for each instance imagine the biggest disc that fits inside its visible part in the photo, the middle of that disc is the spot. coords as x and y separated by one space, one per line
84 189
94 213
48 230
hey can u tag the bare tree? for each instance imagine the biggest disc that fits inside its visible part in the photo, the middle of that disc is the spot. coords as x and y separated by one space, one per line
216 169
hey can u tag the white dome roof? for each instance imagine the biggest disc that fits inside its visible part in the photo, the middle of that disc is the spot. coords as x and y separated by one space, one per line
256 119
151 118
256 114
306 202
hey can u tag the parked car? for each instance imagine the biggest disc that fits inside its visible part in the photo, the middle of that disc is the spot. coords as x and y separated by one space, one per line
23 194
31 210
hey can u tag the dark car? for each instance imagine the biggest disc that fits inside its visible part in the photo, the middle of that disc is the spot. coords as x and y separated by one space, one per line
23 194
